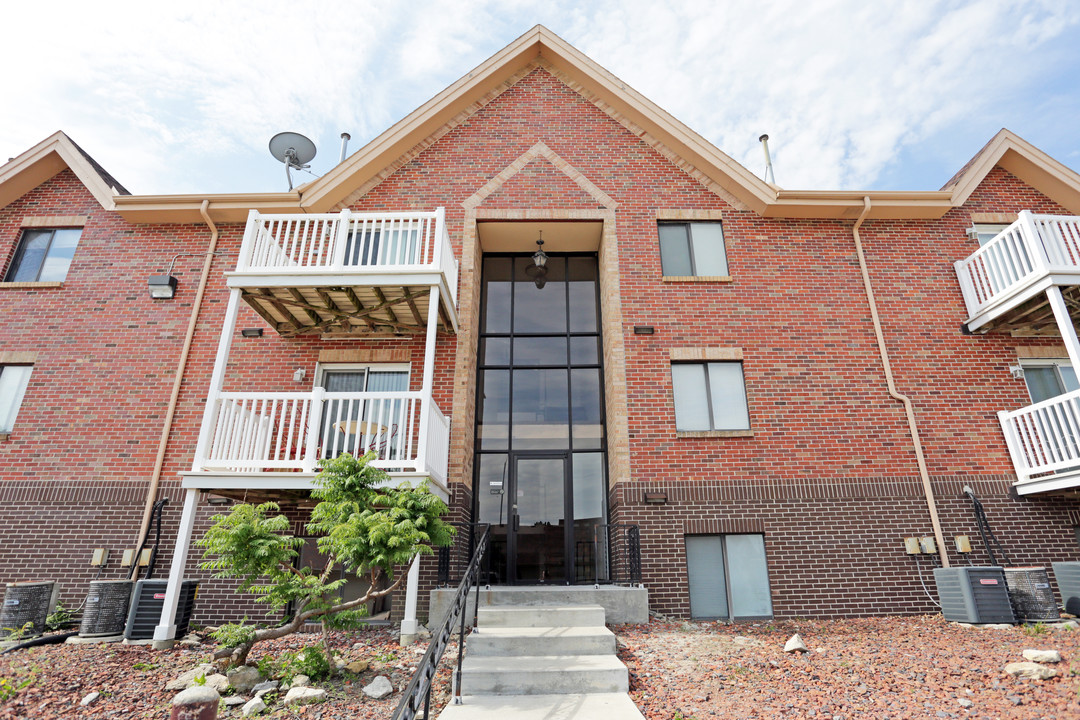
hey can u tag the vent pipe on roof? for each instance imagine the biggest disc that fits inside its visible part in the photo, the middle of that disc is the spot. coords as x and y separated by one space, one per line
345 137
769 177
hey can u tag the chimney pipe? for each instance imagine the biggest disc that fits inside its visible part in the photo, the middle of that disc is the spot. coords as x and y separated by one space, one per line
769 177
344 144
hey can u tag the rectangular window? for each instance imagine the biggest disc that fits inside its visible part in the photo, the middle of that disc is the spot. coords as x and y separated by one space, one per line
1049 378
728 577
13 381
693 248
709 396
44 255
362 411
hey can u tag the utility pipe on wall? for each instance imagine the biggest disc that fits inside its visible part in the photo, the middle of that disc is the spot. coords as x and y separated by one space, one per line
909 409
181 366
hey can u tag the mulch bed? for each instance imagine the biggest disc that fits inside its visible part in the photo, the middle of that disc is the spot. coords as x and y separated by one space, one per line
53 679
912 667
874 668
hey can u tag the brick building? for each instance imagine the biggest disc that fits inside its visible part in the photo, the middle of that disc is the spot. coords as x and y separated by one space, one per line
775 387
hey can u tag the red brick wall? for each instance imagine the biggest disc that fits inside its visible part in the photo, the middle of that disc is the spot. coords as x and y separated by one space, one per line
829 474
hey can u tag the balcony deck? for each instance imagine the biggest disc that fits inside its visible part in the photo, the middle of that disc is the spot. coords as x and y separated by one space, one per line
1004 283
348 273
269 444
1044 443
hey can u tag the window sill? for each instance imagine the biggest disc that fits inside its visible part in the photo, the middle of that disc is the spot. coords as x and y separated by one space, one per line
30 285
697 279
713 433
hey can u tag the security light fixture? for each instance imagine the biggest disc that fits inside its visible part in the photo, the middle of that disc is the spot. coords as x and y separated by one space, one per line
252 332
656 498
299 374
162 287
538 270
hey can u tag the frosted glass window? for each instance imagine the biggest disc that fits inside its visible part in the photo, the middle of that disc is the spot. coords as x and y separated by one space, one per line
13 381
1050 379
705 567
728 577
748 575
691 401
688 249
709 396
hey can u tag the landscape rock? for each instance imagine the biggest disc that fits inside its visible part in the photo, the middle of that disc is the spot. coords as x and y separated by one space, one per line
1067 625
195 696
244 679
187 679
253 707
90 698
358 666
300 681
231 700
796 644
1030 671
378 688
1042 656
964 702
218 682
304 695
266 686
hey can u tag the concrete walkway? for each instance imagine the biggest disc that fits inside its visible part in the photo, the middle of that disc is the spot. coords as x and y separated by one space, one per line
539 662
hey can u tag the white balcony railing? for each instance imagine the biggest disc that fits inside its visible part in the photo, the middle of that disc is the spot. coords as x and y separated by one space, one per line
348 242
1044 438
1033 247
274 432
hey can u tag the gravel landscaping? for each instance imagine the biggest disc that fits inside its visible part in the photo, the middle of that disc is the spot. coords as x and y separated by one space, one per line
910 667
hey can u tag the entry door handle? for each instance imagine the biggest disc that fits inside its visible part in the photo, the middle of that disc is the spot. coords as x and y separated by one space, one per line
517 518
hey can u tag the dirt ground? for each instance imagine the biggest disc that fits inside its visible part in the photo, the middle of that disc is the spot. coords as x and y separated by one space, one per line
911 667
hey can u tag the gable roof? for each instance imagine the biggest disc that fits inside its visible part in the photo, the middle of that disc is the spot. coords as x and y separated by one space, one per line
539 47
1027 162
45 160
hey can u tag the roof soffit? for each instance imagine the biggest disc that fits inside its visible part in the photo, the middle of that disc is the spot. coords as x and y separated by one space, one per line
44 161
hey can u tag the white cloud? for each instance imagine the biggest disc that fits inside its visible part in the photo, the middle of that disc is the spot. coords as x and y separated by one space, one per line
184 98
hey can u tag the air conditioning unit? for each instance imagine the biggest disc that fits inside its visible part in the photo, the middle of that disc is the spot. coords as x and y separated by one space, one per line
27 602
1031 595
974 594
106 609
146 606
1068 580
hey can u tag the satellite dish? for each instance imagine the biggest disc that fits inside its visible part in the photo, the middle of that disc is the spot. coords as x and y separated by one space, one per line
293 149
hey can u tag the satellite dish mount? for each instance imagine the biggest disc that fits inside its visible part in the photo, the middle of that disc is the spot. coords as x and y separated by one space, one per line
293 149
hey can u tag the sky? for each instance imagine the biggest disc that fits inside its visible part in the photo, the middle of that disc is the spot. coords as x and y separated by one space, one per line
883 95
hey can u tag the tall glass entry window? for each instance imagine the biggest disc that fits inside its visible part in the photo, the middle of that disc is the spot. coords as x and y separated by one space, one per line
540 466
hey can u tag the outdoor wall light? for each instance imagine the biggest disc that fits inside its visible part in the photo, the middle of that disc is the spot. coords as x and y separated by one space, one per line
656 498
299 374
537 272
163 287
252 332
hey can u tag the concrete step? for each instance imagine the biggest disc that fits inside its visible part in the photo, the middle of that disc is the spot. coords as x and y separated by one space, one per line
543 675
513 641
609 706
541 616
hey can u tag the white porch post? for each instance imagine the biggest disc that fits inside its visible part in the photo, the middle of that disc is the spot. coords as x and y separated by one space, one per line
409 625
1065 326
165 632
217 380
428 382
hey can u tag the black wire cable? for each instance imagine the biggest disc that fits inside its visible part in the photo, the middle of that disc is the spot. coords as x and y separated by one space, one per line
984 530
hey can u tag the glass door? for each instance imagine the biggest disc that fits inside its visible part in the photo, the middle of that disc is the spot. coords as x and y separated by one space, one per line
537 538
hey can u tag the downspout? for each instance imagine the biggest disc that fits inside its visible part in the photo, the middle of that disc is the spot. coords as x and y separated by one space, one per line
909 409
181 366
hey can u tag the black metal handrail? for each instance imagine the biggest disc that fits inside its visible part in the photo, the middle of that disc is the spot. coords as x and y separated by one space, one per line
418 693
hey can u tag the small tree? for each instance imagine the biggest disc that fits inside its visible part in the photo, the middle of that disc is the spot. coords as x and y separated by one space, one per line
364 529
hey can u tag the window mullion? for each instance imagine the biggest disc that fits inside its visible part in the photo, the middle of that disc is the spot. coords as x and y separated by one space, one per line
708 397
